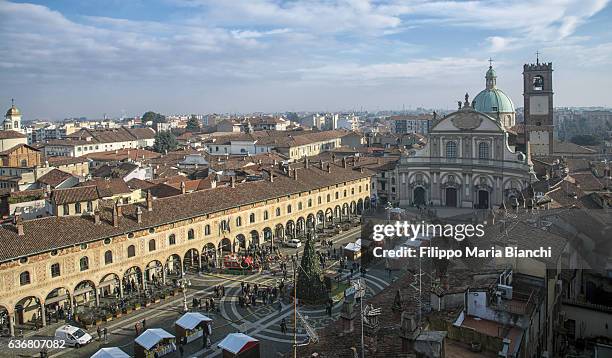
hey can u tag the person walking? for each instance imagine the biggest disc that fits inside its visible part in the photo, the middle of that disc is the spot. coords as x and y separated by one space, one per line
105 333
283 326
99 331
181 349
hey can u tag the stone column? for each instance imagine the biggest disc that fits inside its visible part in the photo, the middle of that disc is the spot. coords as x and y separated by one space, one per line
163 275
120 289
96 297
11 321
43 314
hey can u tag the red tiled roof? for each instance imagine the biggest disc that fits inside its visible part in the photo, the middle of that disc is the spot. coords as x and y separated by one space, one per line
54 177
73 195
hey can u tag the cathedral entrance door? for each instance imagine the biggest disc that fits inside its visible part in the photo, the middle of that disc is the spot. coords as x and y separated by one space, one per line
451 197
483 199
419 196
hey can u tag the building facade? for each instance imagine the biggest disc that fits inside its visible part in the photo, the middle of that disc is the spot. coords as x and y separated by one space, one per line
87 256
466 162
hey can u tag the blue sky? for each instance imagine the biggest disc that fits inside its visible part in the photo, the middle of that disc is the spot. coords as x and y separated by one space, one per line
85 58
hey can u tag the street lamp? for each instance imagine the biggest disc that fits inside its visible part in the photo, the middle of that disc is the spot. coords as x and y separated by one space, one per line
183 284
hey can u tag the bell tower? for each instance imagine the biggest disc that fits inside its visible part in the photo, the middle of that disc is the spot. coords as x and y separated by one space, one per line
538 95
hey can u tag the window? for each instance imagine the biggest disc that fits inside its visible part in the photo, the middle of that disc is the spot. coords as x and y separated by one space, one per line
89 206
337 195
238 221
328 198
266 216
131 251
278 213
300 205
24 163
345 193
171 239
190 234
319 200
55 270
352 191
84 263
252 218
483 150
24 278
309 203
451 150
207 230
538 83
66 209
289 209
77 208
108 257
152 245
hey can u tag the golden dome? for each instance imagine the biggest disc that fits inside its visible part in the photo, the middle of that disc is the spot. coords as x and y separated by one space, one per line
13 111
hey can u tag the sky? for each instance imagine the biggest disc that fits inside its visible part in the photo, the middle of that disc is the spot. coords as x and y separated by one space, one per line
73 58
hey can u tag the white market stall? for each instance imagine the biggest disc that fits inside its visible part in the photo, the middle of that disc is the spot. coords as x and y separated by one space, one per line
191 326
110 352
239 345
352 250
154 341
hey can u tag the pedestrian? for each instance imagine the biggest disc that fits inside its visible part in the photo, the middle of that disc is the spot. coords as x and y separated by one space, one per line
137 329
105 332
144 324
280 306
181 349
99 331
283 326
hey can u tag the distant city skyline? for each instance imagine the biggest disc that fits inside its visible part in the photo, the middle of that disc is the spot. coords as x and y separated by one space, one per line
72 58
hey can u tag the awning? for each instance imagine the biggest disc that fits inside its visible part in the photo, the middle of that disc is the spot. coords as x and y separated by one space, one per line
191 320
110 352
151 337
237 342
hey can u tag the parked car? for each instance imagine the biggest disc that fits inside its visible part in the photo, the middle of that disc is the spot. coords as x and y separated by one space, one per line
72 336
294 243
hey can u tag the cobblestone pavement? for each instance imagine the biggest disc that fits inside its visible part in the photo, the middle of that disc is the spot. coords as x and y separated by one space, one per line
261 321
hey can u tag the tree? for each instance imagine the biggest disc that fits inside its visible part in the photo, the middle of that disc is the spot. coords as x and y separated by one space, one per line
165 141
585 139
193 124
154 118
310 285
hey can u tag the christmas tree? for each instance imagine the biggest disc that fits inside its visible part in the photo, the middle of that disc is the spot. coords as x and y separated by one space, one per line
310 285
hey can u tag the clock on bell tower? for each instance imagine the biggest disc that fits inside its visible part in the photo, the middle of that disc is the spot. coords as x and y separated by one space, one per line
538 95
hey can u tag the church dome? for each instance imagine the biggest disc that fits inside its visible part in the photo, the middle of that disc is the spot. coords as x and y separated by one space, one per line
493 101
13 111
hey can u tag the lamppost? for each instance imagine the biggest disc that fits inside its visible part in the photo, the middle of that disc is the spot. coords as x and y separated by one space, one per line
183 284
293 260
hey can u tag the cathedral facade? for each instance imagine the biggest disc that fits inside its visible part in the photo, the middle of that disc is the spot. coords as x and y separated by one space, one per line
467 161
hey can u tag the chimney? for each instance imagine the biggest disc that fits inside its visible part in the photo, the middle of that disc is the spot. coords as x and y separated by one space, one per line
19 224
295 175
96 217
139 214
233 181
115 215
183 189
344 162
149 201
329 167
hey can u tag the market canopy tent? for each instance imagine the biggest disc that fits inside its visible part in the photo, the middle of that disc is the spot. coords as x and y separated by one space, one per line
239 345
151 337
191 320
352 250
110 352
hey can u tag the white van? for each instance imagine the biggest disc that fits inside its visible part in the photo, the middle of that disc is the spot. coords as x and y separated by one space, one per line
72 336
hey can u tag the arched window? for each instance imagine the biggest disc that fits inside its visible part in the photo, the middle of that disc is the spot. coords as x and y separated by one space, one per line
538 83
352 191
152 245
238 221
77 208
360 188
278 213
319 200
483 150
24 278
172 239
190 234
289 209
328 198
55 270
345 193
108 257
207 230
451 149
252 218
309 203
266 216
131 251
89 206
337 195
84 263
